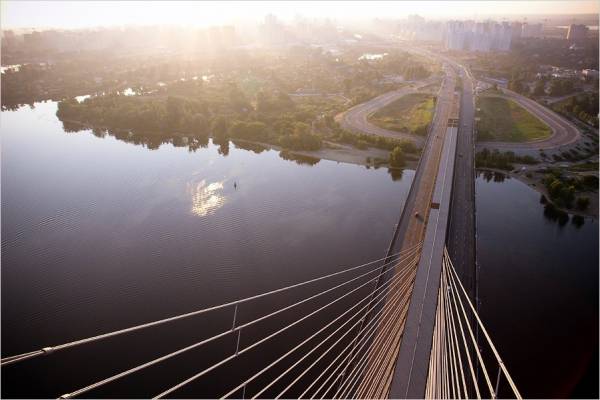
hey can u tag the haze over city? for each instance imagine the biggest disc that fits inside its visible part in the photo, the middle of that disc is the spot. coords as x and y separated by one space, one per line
65 14
299 199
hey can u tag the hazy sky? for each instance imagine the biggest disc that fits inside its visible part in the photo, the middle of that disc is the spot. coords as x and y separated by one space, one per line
78 14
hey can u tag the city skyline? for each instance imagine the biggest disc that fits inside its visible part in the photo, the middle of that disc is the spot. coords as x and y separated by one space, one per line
73 15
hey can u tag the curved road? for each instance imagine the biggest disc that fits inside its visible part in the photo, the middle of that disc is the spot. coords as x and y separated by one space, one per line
563 131
356 118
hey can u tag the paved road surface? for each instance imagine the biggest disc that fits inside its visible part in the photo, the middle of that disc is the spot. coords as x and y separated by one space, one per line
461 231
355 119
461 239
411 232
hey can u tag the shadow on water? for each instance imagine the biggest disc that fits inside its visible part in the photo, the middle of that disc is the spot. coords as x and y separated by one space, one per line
552 213
193 143
299 158
494 175
151 141
555 214
396 173
250 146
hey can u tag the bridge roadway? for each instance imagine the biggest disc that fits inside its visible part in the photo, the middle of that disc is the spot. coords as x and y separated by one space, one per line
462 224
461 229
411 231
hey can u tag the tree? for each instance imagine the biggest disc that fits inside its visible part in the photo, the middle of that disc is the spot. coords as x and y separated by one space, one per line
263 102
397 158
515 86
284 101
219 128
248 130
421 130
301 138
301 128
408 146
540 88
175 112
238 100
559 87
582 203
555 188
347 85
198 124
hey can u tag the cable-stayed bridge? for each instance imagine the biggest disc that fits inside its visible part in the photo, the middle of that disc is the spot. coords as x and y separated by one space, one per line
402 326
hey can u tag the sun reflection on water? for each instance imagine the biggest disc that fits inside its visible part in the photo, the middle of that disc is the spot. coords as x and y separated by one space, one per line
206 198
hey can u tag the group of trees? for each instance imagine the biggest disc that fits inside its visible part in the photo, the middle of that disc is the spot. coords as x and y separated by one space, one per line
266 102
526 55
539 89
397 158
561 87
563 190
562 194
286 132
364 78
583 107
301 138
557 87
361 140
173 114
280 122
404 64
276 120
249 103
500 160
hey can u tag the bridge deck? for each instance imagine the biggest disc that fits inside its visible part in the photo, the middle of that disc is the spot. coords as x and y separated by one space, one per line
412 365
378 375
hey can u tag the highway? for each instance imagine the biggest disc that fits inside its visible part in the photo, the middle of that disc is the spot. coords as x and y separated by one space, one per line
411 231
355 119
461 232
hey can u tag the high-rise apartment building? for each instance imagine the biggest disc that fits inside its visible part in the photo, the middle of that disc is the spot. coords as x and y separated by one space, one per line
577 32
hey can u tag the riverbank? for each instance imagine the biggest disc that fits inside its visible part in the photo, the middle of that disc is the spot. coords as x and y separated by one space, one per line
371 156
343 153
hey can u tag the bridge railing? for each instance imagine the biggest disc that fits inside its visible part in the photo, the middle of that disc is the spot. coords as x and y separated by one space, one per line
458 366
325 355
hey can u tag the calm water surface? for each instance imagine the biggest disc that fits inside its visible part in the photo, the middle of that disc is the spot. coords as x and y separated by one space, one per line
538 287
99 234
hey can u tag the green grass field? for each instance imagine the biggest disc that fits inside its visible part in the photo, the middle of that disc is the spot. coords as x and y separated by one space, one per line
504 120
410 113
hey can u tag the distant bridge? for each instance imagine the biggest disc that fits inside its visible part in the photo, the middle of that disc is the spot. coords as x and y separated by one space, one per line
402 326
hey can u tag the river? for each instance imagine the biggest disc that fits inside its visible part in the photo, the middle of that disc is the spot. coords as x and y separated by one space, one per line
538 290
100 234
